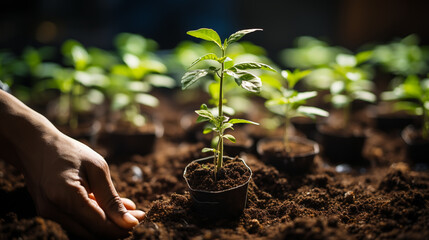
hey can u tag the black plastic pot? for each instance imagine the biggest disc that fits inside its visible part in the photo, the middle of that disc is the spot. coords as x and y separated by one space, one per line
228 203
341 148
127 143
388 122
417 148
305 125
298 164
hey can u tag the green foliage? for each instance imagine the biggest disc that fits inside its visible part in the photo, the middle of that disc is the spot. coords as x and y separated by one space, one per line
402 57
350 83
412 96
289 103
222 67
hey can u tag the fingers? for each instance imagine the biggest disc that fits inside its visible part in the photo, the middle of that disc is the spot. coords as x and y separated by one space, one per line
86 211
128 203
101 185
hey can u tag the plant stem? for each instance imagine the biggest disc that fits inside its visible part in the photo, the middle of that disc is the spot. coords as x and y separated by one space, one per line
286 134
220 143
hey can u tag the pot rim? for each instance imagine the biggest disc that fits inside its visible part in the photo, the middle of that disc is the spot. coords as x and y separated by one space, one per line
314 144
219 191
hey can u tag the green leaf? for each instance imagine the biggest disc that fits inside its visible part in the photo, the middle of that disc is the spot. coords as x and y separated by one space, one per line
119 101
294 77
312 111
365 96
410 107
303 96
146 99
229 137
204 150
209 56
236 120
207 130
227 125
246 80
206 34
228 62
340 100
191 77
337 87
205 114
363 57
252 65
346 60
238 35
276 101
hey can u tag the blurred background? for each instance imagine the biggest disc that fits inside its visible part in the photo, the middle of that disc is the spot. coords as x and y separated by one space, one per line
348 23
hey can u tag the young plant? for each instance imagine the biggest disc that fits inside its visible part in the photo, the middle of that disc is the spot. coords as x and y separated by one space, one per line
223 69
132 80
288 102
412 96
351 83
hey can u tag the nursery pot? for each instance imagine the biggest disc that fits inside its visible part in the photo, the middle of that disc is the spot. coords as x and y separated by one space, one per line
293 163
305 125
121 142
388 121
228 203
342 148
417 147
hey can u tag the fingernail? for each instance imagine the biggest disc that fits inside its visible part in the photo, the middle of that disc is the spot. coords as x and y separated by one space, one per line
130 219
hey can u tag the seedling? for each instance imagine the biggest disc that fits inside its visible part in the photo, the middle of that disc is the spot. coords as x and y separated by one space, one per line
222 69
412 96
289 103
131 81
351 83
403 57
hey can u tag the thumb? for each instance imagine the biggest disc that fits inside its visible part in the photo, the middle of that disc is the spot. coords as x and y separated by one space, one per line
101 185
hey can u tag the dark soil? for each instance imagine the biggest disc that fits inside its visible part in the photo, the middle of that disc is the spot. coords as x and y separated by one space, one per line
202 176
387 200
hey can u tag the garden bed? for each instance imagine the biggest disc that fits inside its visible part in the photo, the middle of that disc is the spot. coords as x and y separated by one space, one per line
388 200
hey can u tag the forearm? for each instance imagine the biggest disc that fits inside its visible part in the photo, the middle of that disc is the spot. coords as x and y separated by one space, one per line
23 128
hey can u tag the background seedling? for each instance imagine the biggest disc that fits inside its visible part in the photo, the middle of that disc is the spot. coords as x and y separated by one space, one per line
351 83
412 96
289 103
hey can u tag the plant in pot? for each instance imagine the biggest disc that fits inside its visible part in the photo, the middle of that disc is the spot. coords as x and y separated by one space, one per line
394 62
132 126
413 96
218 184
75 111
342 136
290 154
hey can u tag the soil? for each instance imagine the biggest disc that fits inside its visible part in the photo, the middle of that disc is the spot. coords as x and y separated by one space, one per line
387 200
201 176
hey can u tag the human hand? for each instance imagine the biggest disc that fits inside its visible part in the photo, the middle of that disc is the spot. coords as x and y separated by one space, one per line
71 184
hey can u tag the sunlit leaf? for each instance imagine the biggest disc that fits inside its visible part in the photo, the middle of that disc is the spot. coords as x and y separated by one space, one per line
146 99
230 137
312 111
209 56
191 77
236 120
238 35
206 34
